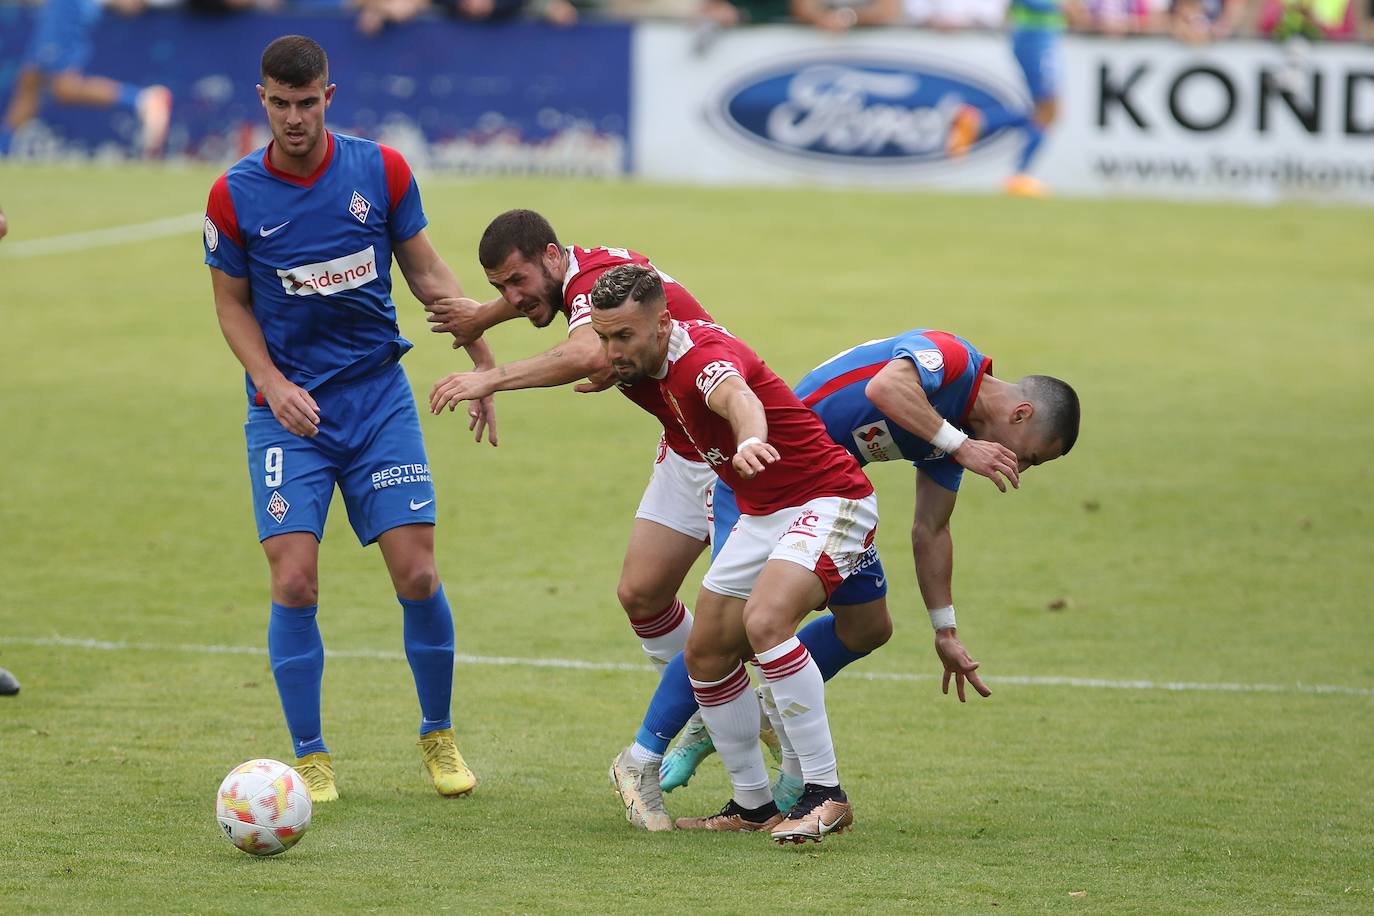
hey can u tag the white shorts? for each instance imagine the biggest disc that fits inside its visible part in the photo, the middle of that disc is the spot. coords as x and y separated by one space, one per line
829 536
678 494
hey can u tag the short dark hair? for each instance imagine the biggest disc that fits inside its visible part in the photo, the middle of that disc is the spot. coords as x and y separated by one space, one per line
515 230
627 283
1056 407
295 61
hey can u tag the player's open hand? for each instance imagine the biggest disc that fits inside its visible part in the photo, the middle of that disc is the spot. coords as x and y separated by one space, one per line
991 459
957 664
482 414
456 316
293 407
752 457
454 389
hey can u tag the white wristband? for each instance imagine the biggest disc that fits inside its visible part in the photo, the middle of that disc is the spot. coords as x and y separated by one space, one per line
942 618
752 440
948 438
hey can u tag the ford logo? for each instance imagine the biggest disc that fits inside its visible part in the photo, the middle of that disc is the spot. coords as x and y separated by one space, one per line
859 109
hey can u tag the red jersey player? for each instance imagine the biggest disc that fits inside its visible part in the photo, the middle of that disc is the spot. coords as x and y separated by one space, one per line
538 279
808 517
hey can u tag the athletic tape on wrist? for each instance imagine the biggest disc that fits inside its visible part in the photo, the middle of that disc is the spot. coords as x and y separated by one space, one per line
948 438
942 617
752 440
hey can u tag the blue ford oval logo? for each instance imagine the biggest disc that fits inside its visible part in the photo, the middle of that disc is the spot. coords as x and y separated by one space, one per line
851 108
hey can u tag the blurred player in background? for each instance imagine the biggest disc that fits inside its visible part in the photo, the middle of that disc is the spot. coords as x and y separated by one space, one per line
889 400
299 238
56 59
4 224
1036 30
808 518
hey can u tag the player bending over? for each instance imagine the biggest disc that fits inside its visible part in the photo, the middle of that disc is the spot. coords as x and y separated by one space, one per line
299 238
889 400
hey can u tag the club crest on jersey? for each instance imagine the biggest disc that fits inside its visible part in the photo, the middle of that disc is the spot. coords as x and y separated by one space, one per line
875 441
211 234
933 360
277 506
359 207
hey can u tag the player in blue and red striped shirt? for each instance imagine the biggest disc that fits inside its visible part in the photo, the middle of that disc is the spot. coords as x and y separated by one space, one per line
299 237
893 400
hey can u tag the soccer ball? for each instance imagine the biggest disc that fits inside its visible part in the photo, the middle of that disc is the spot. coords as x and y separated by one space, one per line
263 807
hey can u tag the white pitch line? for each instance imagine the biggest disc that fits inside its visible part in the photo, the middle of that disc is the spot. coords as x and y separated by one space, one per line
102 238
508 661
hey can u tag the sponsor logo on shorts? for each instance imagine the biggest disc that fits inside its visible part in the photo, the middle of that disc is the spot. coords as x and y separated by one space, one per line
359 207
662 450
326 278
399 474
277 506
211 234
805 524
874 441
867 559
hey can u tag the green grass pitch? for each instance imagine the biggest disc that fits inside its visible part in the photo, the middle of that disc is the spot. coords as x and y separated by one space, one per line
1212 526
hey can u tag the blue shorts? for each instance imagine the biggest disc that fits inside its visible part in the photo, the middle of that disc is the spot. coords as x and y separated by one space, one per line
867 582
1037 51
369 443
61 39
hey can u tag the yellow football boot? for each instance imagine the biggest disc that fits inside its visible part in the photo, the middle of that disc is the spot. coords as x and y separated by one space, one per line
447 770
317 772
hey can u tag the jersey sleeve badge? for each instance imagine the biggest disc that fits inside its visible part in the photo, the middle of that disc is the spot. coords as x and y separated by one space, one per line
931 360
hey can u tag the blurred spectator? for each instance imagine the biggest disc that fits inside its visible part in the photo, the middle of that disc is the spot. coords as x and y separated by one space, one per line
375 15
843 15
1311 19
956 14
55 60
4 229
557 12
1199 21
217 7
1119 17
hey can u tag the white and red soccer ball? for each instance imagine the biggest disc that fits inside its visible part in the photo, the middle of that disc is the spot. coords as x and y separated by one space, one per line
263 807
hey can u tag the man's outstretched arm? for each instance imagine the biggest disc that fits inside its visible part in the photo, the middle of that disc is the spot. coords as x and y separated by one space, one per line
932 549
575 358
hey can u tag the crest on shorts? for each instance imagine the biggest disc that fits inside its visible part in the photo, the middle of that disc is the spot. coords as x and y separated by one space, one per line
359 207
933 360
211 234
277 506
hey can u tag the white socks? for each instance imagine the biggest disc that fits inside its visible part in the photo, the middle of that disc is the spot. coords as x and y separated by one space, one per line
799 695
731 713
665 634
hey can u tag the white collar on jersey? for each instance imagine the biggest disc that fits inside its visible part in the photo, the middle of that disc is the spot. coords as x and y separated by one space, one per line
679 342
571 271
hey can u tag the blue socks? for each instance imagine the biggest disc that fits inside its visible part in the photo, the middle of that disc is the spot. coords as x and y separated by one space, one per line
674 703
429 649
1034 135
297 654
825 647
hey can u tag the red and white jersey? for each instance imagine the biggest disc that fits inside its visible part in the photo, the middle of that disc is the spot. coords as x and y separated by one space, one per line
701 355
585 267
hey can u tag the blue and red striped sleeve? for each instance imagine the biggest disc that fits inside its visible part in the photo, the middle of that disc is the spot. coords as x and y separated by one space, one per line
223 241
405 213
